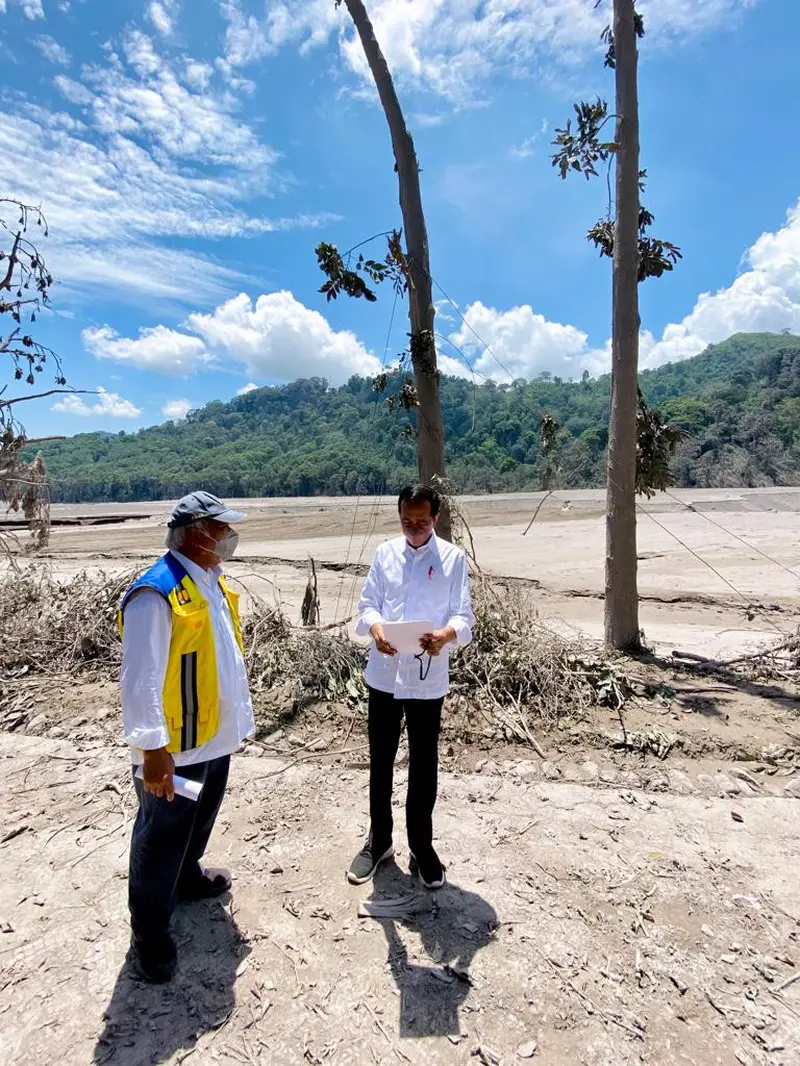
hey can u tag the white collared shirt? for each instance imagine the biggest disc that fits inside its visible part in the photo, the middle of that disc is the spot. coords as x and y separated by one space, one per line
405 584
145 653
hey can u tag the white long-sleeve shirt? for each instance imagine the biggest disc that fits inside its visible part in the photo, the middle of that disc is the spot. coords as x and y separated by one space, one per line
145 653
405 584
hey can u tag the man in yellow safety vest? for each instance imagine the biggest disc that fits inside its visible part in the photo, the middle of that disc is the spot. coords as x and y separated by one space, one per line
186 707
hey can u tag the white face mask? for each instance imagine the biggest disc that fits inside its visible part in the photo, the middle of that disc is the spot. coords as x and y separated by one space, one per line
227 546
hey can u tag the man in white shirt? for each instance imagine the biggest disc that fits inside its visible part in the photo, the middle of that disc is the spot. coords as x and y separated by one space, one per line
186 707
415 577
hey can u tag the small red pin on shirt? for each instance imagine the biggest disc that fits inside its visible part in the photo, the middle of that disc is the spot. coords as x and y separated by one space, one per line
430 573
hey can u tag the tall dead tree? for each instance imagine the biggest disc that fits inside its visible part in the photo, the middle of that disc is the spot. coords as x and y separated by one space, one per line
24 290
621 589
639 443
412 263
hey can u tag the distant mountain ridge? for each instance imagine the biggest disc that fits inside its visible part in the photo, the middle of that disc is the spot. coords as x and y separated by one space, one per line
739 400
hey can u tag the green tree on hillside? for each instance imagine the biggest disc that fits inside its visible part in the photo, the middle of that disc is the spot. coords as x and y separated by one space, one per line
310 439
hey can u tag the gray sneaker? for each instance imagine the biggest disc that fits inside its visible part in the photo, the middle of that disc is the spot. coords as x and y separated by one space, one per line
364 865
431 873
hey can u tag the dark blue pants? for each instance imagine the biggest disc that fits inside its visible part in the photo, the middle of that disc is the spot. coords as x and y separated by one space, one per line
168 841
423 722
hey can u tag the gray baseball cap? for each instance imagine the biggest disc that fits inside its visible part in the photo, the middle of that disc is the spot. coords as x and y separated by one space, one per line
199 505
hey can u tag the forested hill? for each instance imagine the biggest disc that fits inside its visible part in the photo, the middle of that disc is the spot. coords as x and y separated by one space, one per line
739 400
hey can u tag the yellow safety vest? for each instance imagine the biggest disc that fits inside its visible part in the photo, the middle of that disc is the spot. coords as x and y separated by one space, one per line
191 685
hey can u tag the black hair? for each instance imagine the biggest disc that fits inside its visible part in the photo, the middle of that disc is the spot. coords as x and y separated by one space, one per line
420 494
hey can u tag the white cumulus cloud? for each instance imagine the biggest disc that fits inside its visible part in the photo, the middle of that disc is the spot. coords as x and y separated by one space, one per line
525 148
246 39
450 45
176 409
149 151
162 14
31 9
517 343
108 404
156 348
277 337
72 91
52 51
763 298
197 75
249 387
150 102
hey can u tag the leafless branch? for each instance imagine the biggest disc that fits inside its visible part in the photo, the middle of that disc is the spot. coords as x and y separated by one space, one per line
49 392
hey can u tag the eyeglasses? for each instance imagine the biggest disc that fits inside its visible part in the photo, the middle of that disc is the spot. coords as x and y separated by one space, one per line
423 668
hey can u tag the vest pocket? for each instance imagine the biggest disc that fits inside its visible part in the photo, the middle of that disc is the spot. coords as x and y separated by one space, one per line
189 701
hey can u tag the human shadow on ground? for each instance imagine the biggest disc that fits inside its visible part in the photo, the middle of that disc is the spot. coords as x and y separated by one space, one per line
147 1023
453 925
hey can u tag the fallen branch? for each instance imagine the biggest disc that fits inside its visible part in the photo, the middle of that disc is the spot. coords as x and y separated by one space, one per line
788 982
586 999
516 673
310 755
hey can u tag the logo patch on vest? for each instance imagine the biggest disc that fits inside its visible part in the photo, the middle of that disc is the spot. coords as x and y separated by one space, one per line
182 596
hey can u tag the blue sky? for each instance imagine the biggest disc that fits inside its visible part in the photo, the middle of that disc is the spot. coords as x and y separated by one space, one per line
189 157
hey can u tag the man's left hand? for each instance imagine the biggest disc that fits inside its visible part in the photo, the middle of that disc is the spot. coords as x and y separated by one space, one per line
432 643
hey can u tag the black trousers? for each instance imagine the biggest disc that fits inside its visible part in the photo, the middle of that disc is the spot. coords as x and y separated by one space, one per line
423 723
168 841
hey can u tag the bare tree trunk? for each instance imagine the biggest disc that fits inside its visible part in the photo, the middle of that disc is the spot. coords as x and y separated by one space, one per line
621 594
430 431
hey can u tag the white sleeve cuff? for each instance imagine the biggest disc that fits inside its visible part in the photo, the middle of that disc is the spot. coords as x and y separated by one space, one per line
463 630
366 620
147 739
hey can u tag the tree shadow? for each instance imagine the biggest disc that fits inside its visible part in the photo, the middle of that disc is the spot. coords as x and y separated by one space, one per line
453 925
147 1023
719 679
708 701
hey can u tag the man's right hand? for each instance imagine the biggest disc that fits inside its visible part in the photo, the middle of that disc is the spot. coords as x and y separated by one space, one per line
159 766
381 643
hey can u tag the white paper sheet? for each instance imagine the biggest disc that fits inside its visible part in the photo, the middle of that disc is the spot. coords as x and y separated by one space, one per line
405 635
190 790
